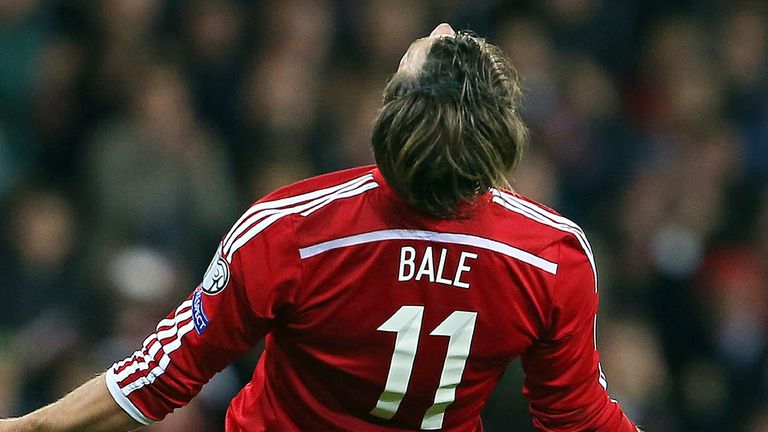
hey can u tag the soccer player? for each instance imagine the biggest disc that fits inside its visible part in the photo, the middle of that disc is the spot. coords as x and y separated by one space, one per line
392 297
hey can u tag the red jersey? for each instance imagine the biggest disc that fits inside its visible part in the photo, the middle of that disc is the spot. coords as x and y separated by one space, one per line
377 318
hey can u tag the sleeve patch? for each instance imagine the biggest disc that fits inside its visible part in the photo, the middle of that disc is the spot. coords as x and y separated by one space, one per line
199 317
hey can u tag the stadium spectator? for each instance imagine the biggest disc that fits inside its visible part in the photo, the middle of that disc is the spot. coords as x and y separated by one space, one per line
660 105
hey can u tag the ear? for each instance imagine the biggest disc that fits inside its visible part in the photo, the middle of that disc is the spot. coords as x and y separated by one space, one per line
443 29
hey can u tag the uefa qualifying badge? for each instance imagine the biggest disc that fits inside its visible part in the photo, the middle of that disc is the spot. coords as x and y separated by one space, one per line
217 276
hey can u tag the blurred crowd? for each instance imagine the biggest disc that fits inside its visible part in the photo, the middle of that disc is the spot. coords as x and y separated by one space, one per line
133 132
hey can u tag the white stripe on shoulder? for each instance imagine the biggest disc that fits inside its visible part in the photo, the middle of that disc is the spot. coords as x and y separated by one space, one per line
248 224
292 200
545 213
267 217
405 234
544 217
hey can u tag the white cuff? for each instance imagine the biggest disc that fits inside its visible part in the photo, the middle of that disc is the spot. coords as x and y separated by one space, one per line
123 401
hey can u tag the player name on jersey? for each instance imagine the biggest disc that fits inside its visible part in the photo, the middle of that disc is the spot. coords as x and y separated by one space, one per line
410 256
417 358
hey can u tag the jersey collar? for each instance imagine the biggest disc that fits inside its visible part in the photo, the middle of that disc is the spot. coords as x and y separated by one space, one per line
391 194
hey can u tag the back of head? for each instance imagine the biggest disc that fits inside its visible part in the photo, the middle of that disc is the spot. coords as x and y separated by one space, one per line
451 130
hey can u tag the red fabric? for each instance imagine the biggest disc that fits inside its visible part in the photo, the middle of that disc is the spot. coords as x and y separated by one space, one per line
325 363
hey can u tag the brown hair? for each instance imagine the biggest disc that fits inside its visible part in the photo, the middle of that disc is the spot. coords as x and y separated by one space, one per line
448 133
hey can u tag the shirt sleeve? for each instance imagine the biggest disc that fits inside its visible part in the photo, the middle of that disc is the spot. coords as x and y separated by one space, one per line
564 382
248 281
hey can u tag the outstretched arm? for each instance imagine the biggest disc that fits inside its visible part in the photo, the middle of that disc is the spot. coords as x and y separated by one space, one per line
218 322
89 408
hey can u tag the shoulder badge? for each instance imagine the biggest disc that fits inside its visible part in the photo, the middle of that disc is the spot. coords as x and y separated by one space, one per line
217 276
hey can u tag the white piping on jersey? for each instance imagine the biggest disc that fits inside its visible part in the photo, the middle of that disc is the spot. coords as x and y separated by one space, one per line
245 220
152 345
262 215
602 379
148 356
123 401
545 217
512 203
147 353
271 216
554 217
141 360
405 234
594 332
155 344
163 364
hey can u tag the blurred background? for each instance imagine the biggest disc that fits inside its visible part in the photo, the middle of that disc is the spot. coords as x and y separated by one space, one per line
133 132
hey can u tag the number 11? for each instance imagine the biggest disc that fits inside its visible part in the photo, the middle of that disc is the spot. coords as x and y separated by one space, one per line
406 322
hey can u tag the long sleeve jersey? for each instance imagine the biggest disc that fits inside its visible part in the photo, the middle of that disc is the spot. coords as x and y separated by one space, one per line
378 318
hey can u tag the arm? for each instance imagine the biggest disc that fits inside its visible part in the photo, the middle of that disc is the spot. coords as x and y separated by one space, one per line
229 313
247 284
251 277
564 380
89 408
